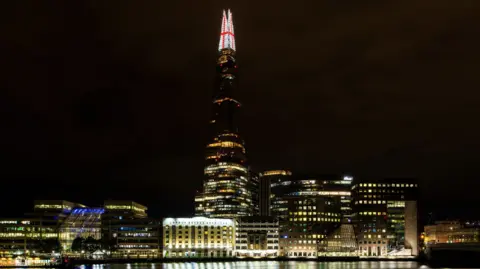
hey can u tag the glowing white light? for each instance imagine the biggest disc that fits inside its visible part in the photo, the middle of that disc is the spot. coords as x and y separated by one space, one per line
232 35
227 36
198 221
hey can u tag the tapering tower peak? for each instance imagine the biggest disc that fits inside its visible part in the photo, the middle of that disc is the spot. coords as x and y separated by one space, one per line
227 34
227 189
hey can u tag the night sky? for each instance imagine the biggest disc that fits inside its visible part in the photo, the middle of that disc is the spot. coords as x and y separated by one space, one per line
111 99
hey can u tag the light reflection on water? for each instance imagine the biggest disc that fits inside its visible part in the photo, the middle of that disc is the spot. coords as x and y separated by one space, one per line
262 264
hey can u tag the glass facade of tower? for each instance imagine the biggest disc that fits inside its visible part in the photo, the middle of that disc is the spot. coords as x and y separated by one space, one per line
279 182
227 190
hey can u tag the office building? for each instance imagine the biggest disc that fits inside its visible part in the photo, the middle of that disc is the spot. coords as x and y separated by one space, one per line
271 205
451 232
81 222
257 236
279 182
264 197
128 232
198 237
386 216
342 242
255 190
311 218
120 209
27 235
309 208
37 231
121 228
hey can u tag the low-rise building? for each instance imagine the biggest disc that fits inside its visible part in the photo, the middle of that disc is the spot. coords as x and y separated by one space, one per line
37 232
198 237
128 232
257 237
450 232
121 229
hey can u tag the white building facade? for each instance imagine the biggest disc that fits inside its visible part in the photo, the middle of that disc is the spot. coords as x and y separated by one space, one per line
198 237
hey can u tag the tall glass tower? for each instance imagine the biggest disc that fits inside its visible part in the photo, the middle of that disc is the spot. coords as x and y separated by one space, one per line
227 189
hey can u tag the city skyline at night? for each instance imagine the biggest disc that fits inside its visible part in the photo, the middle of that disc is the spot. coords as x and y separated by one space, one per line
113 100
290 134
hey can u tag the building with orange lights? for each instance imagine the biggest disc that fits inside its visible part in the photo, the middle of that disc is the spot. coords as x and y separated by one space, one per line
450 232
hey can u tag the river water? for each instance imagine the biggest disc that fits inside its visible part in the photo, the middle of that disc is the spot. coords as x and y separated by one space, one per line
263 264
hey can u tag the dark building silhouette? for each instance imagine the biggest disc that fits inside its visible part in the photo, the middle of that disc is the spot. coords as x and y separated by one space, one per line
255 188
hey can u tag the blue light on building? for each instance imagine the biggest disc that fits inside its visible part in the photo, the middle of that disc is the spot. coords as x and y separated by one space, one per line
82 211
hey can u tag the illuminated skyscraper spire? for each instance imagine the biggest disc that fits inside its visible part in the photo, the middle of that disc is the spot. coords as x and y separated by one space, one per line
227 188
227 35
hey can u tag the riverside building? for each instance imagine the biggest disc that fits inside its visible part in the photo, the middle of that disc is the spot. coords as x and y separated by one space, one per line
81 222
38 231
257 236
309 208
198 237
451 232
121 228
386 217
128 232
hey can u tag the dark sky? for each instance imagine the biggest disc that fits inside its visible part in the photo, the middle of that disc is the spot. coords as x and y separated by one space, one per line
111 99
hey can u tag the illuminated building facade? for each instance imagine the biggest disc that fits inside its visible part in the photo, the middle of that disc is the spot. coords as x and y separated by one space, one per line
118 209
451 232
311 218
309 210
54 206
198 237
81 222
342 242
385 215
18 236
227 188
122 228
38 231
345 185
129 232
257 236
